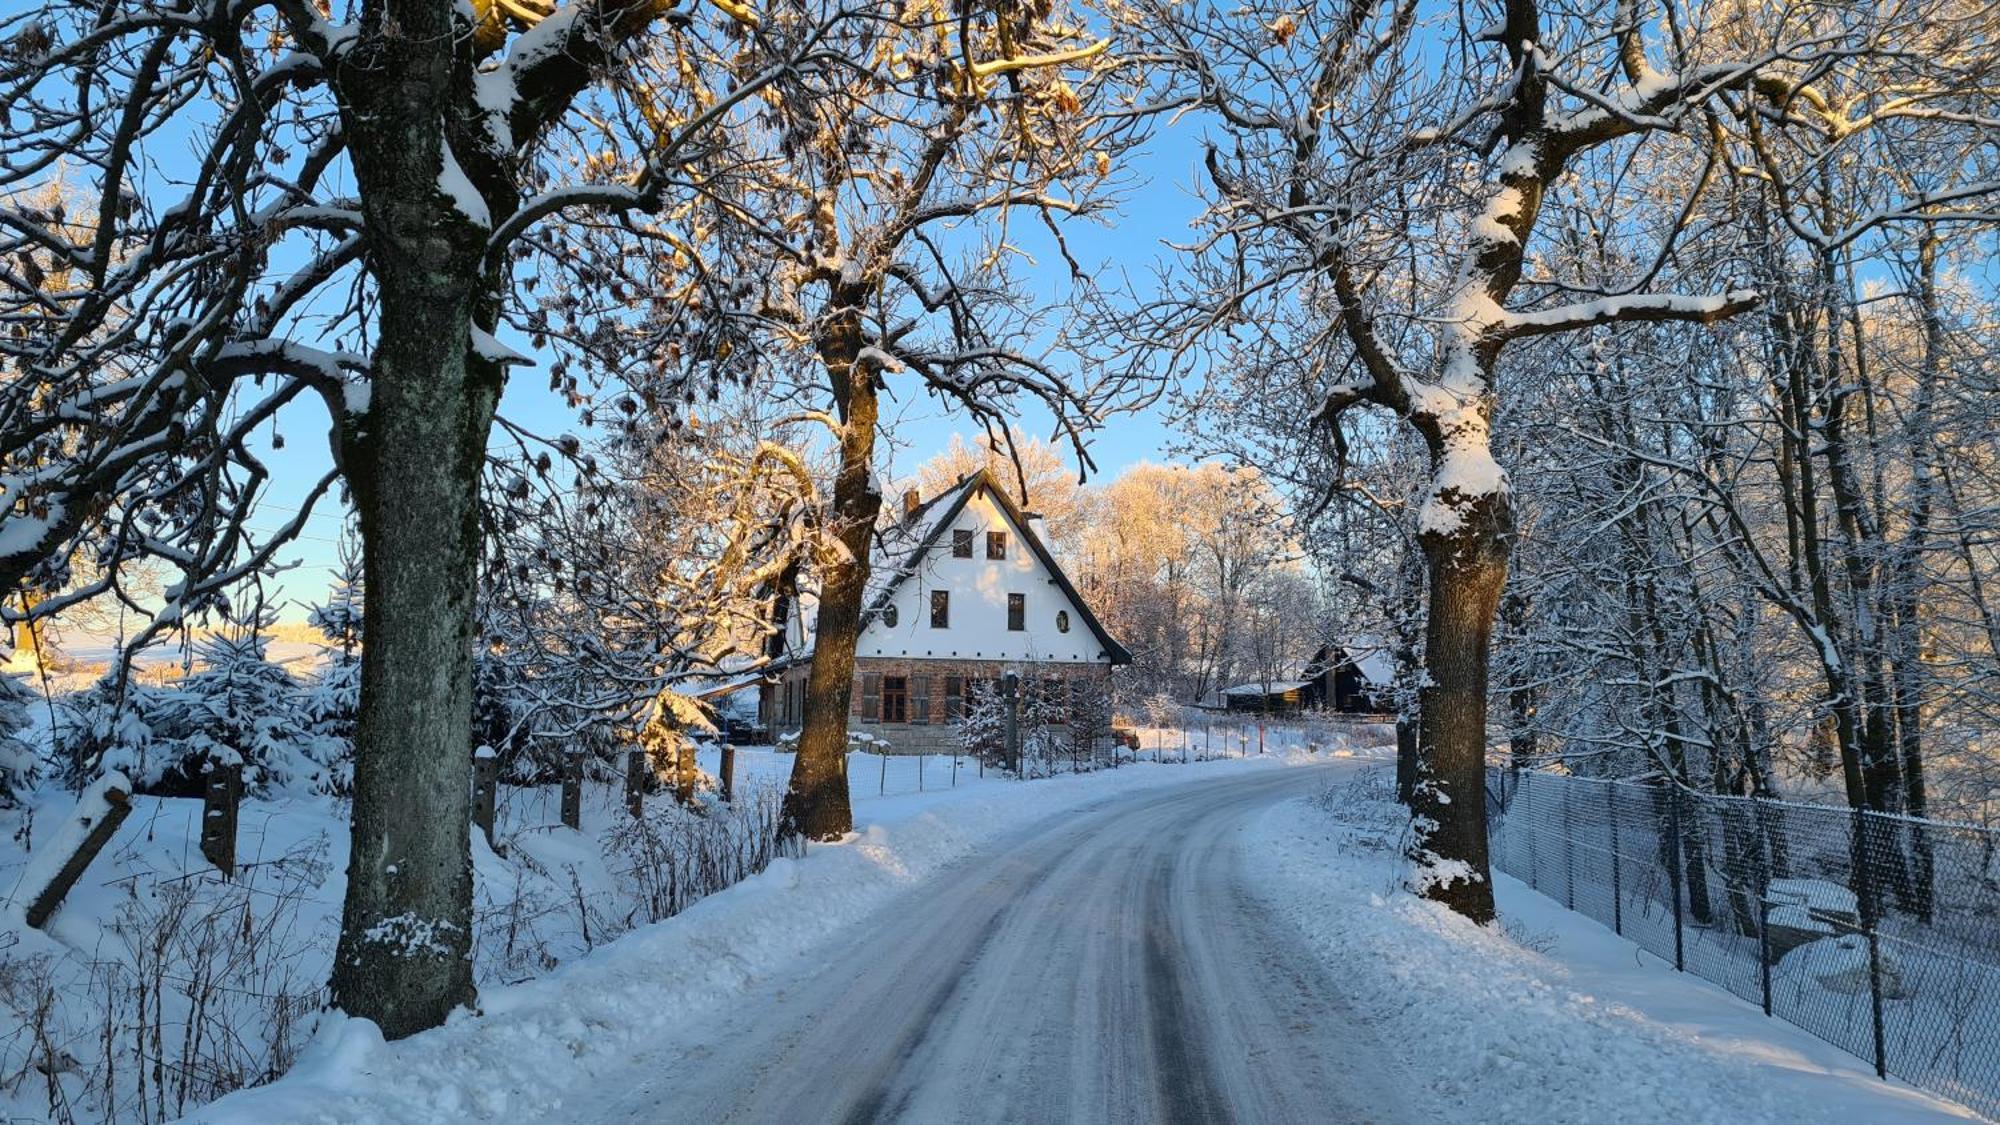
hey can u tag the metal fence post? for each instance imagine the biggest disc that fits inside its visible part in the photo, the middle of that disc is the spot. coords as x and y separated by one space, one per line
1534 831
1864 878
920 771
1763 899
883 787
1617 875
1674 872
1569 850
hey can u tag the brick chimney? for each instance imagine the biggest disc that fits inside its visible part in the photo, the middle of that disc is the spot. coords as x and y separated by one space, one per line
911 502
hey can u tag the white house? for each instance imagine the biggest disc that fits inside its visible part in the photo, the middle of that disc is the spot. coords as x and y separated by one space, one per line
961 590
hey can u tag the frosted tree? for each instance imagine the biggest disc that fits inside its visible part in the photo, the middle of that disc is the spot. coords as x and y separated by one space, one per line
1170 565
981 727
1041 481
666 561
998 119
1374 216
334 239
17 758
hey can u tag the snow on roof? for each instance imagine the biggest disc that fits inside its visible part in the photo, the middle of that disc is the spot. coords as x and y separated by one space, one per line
898 548
1371 658
1275 687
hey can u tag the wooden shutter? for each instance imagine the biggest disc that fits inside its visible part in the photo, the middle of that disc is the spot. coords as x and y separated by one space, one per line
920 698
871 697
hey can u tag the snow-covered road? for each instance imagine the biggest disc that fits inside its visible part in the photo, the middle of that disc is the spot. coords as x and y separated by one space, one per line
1107 966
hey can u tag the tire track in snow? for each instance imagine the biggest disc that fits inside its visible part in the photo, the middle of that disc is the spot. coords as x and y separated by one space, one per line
1103 966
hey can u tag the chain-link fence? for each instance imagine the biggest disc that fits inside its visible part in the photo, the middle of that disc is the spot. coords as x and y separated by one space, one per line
1880 934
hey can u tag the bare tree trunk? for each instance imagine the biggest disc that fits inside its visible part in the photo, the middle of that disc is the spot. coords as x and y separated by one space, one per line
405 949
816 804
413 462
1467 573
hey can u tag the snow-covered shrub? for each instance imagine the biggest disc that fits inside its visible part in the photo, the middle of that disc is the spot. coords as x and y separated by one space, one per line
673 723
982 723
239 707
1163 712
1046 746
502 714
236 707
330 705
1059 723
110 725
17 758
1089 719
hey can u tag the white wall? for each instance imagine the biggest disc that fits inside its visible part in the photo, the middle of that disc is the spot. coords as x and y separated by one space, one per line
979 587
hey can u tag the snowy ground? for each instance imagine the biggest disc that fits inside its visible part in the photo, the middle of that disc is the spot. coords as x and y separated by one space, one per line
594 1028
1552 1018
1155 943
160 985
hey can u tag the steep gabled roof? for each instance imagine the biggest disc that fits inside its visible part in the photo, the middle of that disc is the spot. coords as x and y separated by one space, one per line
901 548
1369 655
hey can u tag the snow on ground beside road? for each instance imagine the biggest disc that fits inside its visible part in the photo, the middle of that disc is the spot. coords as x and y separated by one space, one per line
537 1043
1550 1018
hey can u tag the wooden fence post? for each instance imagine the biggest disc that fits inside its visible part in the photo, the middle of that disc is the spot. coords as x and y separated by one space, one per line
96 825
728 772
572 792
220 798
485 780
635 782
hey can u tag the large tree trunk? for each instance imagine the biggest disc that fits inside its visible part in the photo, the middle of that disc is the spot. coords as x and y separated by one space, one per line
816 803
405 948
413 463
1468 570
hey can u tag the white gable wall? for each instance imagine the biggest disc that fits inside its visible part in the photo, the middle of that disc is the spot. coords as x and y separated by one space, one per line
979 587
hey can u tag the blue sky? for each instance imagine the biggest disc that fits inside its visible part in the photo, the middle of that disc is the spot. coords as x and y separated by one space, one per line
1157 207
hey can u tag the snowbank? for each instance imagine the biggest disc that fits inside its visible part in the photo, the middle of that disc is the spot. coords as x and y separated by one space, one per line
539 1043
1549 1018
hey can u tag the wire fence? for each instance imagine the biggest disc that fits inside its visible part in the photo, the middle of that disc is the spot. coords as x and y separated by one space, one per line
1877 933
870 773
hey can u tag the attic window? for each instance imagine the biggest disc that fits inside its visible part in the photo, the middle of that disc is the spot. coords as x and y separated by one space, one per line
961 544
996 544
889 616
1017 612
1062 621
940 609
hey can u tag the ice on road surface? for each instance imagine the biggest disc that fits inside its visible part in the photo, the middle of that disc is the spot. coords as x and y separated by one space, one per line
1108 968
